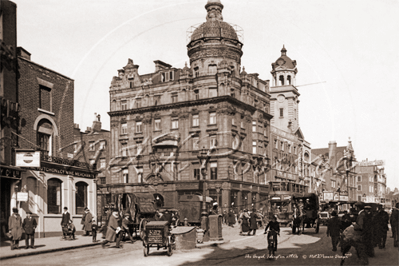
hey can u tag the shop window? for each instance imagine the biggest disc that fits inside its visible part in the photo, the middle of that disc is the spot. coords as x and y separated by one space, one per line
81 197
54 197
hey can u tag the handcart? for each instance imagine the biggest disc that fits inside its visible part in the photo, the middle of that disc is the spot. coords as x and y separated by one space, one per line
157 234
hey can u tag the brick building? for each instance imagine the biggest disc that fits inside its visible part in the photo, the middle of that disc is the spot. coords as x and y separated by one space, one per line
331 171
291 153
53 179
10 116
92 146
371 181
169 126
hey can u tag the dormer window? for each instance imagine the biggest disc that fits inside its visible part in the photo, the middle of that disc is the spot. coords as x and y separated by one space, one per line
167 76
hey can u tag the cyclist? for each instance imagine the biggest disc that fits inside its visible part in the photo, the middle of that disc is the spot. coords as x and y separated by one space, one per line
272 235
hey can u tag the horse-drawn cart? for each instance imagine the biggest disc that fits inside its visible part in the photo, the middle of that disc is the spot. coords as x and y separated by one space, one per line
157 234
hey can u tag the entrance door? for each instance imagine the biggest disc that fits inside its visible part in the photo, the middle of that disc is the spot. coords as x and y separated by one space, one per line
5 202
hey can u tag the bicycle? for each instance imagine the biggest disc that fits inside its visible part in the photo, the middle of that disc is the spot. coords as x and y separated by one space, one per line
272 242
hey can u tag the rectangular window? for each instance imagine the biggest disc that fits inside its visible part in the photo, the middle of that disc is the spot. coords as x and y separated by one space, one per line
281 112
175 123
254 147
138 103
139 174
45 98
213 142
124 150
289 148
275 144
359 197
124 105
138 127
195 143
171 75
125 174
214 173
157 100
124 129
195 120
213 92
157 124
359 187
253 126
44 142
359 179
92 147
196 95
282 146
174 98
197 174
233 121
163 77
103 163
242 124
212 118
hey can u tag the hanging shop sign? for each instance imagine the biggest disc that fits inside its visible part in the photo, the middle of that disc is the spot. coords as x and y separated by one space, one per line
27 158
22 196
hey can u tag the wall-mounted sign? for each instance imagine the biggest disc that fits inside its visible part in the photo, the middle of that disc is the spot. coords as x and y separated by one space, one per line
27 158
22 196
343 198
328 195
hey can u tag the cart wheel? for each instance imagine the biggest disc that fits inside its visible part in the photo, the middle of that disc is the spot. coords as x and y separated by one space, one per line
170 251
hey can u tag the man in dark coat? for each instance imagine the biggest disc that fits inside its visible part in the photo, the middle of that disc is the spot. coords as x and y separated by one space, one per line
113 230
253 225
334 229
66 216
88 222
82 222
395 224
368 231
29 225
15 227
231 218
381 224
125 226
345 221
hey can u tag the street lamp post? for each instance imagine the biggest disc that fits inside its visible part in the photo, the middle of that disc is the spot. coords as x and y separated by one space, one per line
203 157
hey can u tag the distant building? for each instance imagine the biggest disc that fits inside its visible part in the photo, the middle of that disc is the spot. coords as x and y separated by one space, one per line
331 169
53 179
92 147
371 182
169 126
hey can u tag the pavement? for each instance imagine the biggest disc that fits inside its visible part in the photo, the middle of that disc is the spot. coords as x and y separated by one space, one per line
45 245
53 244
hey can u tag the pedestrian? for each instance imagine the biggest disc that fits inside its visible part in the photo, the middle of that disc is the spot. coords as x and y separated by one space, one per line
334 229
113 230
274 227
125 226
158 216
394 220
29 226
94 228
231 219
66 217
381 227
368 231
15 228
215 209
244 222
253 224
88 222
364 235
167 216
71 229
82 222
346 221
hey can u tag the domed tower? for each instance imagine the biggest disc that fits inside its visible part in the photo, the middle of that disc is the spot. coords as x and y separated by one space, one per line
284 95
284 70
213 41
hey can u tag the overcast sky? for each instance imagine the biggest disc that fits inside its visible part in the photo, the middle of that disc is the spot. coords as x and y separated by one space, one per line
348 47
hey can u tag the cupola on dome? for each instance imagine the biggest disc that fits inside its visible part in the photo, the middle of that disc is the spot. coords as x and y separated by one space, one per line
214 27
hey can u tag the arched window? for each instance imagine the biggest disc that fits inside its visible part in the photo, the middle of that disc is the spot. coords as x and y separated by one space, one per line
212 69
44 136
54 197
281 79
81 197
289 80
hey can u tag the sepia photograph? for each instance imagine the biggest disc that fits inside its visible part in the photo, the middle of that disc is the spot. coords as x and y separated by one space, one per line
199 132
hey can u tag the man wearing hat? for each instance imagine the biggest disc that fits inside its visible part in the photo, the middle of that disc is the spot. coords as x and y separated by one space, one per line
394 220
113 230
15 227
88 222
215 209
364 225
334 229
29 225
66 216
125 226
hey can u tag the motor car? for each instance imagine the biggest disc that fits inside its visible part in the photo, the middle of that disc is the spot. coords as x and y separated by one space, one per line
323 217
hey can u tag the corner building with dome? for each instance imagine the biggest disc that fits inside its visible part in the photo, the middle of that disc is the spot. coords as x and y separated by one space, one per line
176 130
